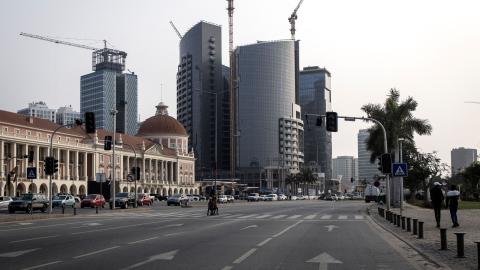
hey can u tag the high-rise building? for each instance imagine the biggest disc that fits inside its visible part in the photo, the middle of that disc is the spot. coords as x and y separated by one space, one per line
202 99
66 115
367 171
268 116
343 168
108 88
316 98
462 158
39 110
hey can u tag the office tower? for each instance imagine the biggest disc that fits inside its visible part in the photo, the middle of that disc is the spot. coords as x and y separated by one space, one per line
367 171
108 88
462 158
39 110
316 98
66 115
343 168
202 99
268 117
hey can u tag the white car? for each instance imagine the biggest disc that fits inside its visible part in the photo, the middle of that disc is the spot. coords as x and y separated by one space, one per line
63 201
253 197
230 199
294 198
262 198
222 199
282 197
5 201
271 197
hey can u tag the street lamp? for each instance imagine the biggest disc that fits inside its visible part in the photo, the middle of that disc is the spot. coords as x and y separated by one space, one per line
114 112
400 143
135 156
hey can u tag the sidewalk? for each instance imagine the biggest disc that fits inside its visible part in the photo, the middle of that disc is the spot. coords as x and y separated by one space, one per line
469 223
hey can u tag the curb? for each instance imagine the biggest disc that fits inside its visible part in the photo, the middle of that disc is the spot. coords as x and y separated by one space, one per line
412 246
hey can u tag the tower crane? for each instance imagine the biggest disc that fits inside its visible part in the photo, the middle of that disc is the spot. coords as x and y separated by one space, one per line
473 102
293 18
176 30
101 57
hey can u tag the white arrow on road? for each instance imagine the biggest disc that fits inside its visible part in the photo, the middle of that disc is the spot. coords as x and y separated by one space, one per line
248 227
167 256
16 253
323 260
331 227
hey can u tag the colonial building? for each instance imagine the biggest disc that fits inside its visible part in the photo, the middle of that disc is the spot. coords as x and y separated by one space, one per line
82 158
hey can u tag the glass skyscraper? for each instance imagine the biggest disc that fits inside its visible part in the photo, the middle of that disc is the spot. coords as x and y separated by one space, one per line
367 171
316 98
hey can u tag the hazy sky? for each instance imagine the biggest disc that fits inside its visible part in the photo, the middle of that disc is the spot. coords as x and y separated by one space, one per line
428 49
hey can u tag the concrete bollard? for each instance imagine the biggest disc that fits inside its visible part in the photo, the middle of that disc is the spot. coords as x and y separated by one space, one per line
398 220
403 223
478 255
96 209
63 209
415 222
420 230
409 224
387 216
394 219
443 239
460 245
74 211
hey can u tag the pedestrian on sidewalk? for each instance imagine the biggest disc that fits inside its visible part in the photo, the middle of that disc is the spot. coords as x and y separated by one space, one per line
436 195
452 202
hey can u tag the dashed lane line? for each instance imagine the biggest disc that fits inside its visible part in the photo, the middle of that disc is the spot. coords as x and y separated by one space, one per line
41 265
326 217
32 239
95 252
244 256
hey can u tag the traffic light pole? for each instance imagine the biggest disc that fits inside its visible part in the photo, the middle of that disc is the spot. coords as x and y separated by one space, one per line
136 176
385 145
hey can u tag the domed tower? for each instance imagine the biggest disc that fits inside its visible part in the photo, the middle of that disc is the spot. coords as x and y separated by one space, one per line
165 130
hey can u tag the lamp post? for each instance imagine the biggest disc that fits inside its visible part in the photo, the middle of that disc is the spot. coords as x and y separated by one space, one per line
114 112
135 165
400 144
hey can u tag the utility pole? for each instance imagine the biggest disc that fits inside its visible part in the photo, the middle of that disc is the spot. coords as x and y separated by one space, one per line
114 112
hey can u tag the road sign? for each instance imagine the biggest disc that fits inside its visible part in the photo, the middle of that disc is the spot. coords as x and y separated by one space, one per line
400 169
100 177
32 173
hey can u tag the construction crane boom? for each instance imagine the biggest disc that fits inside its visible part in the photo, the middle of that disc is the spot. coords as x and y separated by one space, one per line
62 42
176 30
473 102
293 18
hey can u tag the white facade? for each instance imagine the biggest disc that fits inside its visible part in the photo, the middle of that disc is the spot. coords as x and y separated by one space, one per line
39 110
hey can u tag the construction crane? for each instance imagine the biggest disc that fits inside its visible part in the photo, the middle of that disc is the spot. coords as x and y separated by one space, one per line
101 57
473 102
176 30
293 18
231 90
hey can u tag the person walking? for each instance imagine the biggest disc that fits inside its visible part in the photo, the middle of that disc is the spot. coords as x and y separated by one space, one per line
452 202
436 195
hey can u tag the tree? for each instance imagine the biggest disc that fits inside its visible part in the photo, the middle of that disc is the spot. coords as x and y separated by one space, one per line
423 167
471 176
399 122
305 177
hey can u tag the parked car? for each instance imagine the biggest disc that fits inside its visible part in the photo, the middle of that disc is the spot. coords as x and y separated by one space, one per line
282 197
230 199
5 201
144 199
341 197
193 198
293 198
331 197
222 199
262 197
253 197
29 202
123 200
63 201
176 199
152 197
93 200
271 197
162 198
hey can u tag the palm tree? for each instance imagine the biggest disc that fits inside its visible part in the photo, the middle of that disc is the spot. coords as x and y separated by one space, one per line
399 122
305 177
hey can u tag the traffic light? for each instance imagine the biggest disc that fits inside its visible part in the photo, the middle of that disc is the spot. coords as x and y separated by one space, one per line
30 156
319 121
386 163
90 122
107 143
379 164
55 165
332 121
49 166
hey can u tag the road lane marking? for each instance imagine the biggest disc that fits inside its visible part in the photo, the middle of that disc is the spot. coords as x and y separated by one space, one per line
359 217
244 256
311 216
264 242
14 254
41 226
163 256
263 216
326 217
119 227
25 223
32 239
288 228
251 226
294 217
236 215
227 268
342 217
330 227
279 216
95 252
144 240
41 265
248 216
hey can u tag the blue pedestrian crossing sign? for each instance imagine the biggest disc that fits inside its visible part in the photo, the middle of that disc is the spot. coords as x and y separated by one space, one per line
32 173
400 169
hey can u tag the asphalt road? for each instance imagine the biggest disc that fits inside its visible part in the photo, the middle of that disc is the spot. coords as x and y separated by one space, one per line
265 235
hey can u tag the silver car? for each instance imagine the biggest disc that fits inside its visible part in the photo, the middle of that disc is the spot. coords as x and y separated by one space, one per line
5 201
